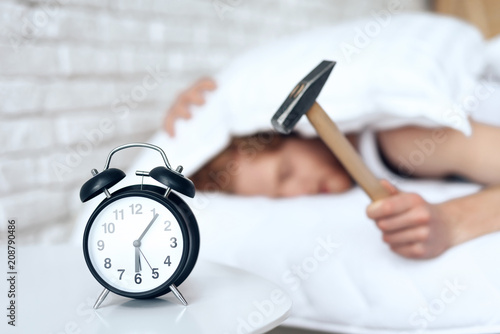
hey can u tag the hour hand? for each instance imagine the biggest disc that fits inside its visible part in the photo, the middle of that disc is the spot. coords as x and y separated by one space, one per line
137 260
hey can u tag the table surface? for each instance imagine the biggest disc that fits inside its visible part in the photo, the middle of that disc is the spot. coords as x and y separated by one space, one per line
56 293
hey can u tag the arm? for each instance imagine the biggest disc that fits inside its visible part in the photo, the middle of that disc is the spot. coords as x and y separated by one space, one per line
440 152
474 215
194 95
414 228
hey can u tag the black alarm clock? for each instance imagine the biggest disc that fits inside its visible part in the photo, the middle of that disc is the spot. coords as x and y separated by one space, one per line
142 241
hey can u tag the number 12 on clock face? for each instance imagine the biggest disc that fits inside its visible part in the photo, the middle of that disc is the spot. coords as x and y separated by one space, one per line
135 244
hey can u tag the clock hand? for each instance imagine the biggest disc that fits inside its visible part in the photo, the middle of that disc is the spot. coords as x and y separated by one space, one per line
147 229
145 258
138 267
137 244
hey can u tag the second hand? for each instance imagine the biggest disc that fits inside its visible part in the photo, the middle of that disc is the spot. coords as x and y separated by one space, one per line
145 258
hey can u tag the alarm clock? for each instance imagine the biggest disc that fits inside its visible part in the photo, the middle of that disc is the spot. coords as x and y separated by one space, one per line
142 241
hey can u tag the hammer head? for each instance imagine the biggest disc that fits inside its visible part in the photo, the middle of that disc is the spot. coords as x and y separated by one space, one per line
301 98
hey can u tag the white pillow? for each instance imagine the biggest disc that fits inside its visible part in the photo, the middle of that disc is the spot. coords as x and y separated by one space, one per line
410 68
493 56
418 70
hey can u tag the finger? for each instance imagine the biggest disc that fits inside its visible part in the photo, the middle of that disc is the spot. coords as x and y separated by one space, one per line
192 97
178 111
182 111
416 216
393 205
206 84
180 108
415 250
196 98
389 187
169 125
408 235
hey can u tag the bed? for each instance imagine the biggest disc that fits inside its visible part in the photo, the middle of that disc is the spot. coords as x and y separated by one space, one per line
323 249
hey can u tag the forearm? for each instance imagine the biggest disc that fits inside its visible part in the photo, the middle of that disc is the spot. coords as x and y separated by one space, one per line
442 152
478 156
472 216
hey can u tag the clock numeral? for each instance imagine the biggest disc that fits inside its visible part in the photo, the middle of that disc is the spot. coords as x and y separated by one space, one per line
167 261
174 242
168 223
109 228
138 209
118 214
155 273
154 211
107 263
121 274
138 279
100 245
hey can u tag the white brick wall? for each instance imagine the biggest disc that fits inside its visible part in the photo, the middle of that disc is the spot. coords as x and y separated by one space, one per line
68 68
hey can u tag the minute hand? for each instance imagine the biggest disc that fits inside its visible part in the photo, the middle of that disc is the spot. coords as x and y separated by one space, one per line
148 227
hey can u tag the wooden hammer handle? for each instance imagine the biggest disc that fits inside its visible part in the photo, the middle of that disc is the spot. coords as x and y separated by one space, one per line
347 155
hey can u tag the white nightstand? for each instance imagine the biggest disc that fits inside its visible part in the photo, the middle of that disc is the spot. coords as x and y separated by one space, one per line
56 293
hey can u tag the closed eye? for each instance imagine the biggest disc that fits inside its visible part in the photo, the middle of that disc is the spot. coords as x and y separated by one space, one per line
285 171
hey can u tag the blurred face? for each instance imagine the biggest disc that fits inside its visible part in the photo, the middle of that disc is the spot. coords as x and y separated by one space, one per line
298 167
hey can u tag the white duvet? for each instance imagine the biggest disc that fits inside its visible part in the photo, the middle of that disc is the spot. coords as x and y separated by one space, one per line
323 249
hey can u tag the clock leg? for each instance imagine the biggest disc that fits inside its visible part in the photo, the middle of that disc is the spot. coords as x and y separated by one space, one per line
178 294
101 298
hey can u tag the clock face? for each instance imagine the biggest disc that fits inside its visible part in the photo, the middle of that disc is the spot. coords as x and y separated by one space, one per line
135 244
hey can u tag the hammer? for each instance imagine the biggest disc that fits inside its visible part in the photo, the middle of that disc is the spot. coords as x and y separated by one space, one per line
302 100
